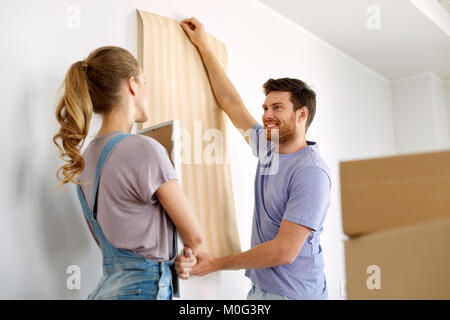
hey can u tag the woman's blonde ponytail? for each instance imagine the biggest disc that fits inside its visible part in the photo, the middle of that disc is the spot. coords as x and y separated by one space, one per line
73 112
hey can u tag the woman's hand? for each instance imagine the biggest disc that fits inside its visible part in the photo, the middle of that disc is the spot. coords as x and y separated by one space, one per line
185 263
196 32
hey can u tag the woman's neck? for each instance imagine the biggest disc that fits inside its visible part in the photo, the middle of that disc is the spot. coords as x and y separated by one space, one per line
115 122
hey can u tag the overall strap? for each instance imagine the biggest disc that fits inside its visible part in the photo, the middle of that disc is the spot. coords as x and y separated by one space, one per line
107 149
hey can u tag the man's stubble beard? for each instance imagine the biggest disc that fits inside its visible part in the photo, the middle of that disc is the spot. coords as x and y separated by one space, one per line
286 132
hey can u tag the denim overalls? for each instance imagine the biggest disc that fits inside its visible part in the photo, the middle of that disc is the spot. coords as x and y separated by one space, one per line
126 274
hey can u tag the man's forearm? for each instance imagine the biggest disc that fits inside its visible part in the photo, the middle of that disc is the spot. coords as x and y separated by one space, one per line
224 90
265 255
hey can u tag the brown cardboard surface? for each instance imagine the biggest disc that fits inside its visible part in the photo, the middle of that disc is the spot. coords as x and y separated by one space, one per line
384 193
414 262
164 136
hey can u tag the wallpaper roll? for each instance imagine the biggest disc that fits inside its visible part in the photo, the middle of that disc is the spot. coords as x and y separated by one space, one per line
180 90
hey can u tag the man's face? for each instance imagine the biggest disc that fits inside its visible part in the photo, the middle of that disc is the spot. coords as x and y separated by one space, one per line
279 118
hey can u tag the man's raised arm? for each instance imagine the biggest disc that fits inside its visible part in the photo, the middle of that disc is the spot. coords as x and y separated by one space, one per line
224 91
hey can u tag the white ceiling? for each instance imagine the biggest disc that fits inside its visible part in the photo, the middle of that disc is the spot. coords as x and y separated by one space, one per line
407 43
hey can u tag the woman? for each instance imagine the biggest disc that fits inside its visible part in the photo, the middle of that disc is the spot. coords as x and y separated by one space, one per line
132 211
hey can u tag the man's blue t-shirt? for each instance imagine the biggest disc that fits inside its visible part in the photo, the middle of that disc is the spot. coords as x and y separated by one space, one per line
294 187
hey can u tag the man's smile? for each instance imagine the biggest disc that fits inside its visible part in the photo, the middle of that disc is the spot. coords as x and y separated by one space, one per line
271 125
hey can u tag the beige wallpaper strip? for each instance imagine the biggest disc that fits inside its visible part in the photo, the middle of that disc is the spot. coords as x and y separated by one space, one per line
180 89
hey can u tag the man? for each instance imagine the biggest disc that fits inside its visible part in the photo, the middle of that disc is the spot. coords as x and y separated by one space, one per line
292 188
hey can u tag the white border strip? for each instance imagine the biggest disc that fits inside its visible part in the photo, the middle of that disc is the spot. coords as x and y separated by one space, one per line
419 75
435 12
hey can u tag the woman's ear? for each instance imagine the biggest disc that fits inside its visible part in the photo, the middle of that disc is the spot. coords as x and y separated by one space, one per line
131 85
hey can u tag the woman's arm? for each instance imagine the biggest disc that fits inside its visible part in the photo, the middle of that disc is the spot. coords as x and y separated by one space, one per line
177 206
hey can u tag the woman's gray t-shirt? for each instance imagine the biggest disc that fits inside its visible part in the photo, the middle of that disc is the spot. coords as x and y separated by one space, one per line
128 210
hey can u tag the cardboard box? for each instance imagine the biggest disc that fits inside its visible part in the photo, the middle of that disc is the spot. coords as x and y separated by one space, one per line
385 193
413 262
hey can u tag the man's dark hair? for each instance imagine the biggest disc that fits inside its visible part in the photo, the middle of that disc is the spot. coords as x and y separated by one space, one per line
301 94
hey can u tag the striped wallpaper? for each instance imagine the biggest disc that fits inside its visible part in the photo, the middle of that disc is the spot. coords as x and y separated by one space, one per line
180 89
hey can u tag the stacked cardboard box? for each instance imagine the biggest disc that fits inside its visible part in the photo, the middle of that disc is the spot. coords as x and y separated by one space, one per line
396 212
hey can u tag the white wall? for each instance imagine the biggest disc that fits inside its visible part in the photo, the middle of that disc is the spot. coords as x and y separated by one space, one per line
420 109
42 231
447 94
441 110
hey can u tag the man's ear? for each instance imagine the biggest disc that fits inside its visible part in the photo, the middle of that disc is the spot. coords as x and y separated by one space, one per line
302 113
